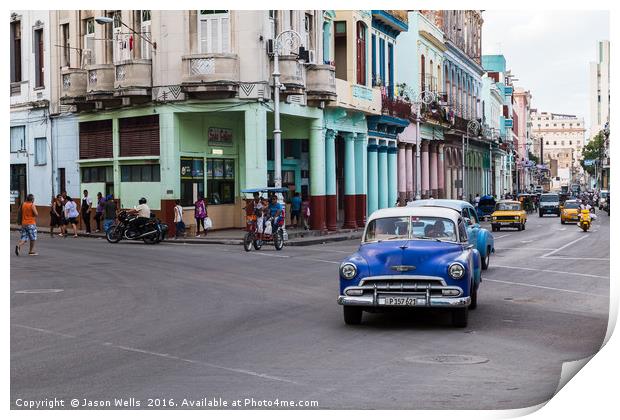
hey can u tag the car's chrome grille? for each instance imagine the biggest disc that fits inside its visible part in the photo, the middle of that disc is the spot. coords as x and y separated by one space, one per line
402 283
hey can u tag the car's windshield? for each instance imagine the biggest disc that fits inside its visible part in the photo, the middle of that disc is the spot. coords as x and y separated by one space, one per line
549 198
508 206
571 205
416 227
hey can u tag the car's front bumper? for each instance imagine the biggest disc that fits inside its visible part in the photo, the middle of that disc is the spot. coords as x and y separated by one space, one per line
432 302
554 210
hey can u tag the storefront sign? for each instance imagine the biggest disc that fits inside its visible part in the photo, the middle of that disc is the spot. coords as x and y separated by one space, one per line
508 123
217 152
220 136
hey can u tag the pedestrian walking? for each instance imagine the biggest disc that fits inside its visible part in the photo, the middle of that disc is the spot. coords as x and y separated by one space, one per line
200 213
109 212
99 211
71 215
305 211
87 203
56 216
477 200
178 219
296 210
27 218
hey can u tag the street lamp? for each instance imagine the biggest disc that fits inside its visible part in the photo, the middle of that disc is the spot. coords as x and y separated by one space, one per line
285 38
104 20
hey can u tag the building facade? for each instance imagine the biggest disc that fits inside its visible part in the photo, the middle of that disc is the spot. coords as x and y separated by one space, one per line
31 133
563 137
523 145
599 106
185 109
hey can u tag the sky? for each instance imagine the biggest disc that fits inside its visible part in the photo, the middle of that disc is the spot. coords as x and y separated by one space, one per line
549 52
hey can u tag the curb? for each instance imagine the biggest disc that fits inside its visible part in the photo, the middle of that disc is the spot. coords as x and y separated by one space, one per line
291 242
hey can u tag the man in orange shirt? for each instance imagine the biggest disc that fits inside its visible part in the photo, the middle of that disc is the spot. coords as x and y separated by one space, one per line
28 222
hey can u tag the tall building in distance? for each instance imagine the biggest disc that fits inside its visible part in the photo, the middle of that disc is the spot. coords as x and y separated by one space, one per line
599 108
599 89
563 137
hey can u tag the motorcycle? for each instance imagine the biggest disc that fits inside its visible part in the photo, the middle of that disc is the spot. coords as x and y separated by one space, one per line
585 220
129 227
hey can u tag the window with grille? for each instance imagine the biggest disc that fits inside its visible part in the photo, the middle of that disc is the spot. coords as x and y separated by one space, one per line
18 138
145 31
66 46
16 51
89 42
361 53
38 58
40 151
273 16
214 31
140 173
309 31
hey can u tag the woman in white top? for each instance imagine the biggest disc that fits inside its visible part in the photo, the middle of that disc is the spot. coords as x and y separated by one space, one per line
71 215
178 219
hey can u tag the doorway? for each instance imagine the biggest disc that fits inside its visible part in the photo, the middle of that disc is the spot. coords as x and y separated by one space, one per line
339 143
19 182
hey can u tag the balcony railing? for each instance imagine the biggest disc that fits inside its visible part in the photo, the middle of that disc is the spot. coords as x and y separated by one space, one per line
395 107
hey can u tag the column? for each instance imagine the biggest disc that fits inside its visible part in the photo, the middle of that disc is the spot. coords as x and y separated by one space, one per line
448 187
409 171
433 170
441 186
392 174
361 173
330 180
254 159
349 181
414 171
317 175
373 171
425 165
383 177
402 172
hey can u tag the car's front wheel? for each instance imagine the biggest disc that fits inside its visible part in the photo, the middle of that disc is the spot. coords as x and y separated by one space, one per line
474 297
352 315
486 259
460 317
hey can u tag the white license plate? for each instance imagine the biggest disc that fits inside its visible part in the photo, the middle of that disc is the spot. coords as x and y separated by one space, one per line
397 300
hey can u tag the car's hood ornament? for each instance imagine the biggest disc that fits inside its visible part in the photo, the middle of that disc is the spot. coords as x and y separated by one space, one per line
403 268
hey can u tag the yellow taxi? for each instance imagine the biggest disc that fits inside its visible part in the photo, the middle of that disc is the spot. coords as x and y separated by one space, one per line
569 212
508 213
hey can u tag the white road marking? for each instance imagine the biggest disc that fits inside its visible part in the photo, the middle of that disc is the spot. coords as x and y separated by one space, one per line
318 260
544 287
163 355
562 228
327 250
44 331
562 247
576 258
528 248
527 242
551 271
500 237
270 255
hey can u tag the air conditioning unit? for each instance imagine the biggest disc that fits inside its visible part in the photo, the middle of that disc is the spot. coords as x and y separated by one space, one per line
311 57
270 47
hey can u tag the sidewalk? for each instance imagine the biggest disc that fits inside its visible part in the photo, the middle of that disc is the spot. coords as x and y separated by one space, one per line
296 237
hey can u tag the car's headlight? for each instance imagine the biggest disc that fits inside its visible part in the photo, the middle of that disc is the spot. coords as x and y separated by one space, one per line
348 270
456 270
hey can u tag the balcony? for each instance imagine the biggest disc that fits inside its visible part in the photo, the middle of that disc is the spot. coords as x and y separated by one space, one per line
291 75
357 97
211 75
395 107
73 86
100 84
321 83
395 116
132 80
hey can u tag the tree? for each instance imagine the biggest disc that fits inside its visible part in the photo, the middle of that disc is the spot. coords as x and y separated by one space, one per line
594 150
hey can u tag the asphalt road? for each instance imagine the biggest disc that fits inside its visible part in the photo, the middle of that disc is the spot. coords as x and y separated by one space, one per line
178 321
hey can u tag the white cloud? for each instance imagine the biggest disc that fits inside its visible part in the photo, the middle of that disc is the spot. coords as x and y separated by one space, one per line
549 52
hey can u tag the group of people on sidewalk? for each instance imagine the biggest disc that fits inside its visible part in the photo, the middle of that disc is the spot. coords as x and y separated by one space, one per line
64 213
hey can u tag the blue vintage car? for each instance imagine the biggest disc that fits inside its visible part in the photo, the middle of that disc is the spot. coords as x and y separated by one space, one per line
416 257
479 237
